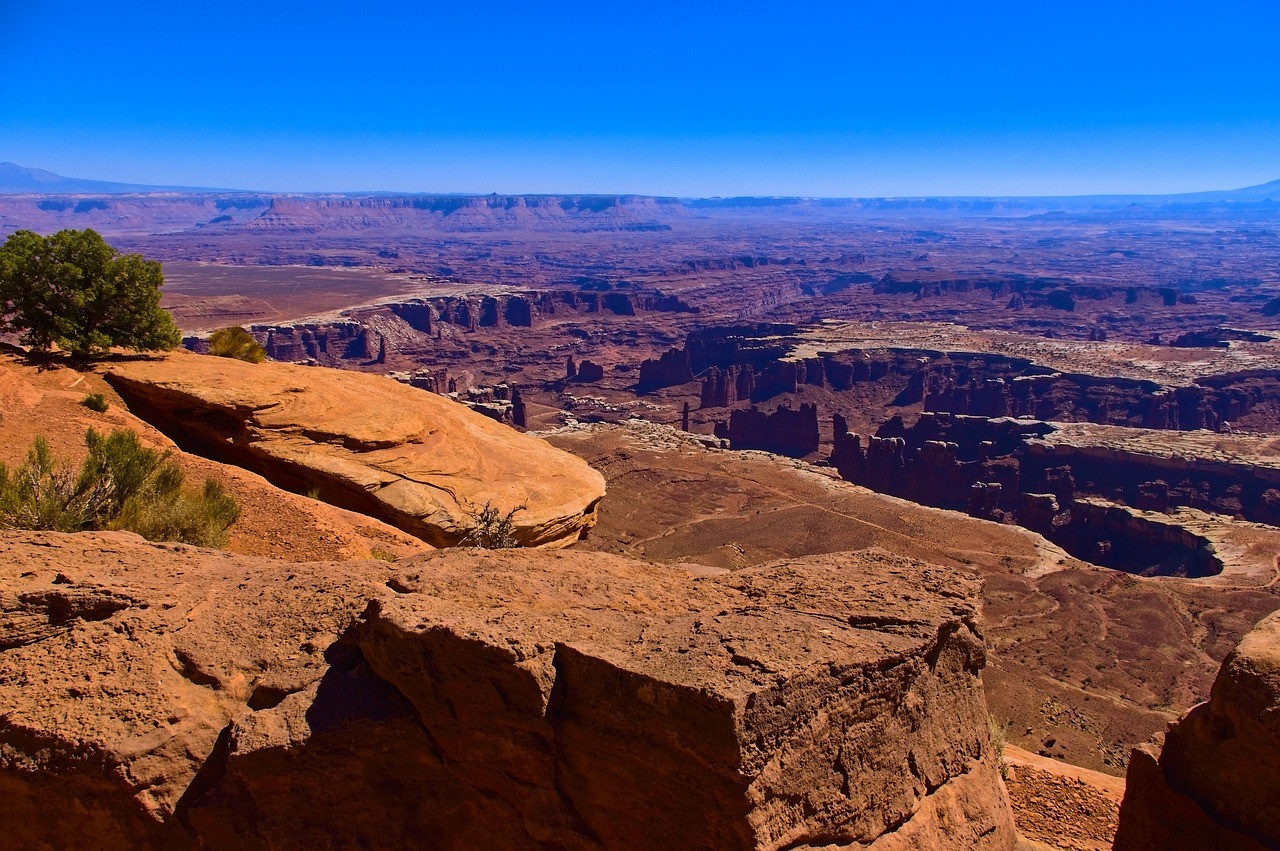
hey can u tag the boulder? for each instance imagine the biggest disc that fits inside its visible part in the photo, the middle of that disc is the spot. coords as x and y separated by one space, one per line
416 460
166 696
1213 784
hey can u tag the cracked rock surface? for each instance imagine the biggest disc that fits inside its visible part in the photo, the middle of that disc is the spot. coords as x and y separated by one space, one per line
163 696
413 459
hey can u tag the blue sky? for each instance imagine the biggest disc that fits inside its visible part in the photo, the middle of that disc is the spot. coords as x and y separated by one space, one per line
856 98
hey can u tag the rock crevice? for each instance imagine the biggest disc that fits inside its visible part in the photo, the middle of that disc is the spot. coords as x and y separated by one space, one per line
496 699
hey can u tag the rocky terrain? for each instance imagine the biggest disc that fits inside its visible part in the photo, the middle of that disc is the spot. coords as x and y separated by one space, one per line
46 402
1085 662
168 695
1208 785
413 459
1075 399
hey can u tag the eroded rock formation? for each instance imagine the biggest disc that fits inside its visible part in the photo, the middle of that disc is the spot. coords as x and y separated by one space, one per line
1213 782
1013 470
418 461
755 363
784 431
164 696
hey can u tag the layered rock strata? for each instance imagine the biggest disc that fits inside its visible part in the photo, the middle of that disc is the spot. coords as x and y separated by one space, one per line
1213 783
164 696
757 363
1017 470
418 461
784 431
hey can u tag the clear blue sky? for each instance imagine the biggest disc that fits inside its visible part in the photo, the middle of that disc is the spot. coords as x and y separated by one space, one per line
859 98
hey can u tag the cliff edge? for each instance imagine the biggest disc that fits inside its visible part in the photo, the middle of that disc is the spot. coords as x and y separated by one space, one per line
411 458
1212 784
163 696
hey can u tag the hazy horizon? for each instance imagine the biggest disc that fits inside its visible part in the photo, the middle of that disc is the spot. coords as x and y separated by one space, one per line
723 100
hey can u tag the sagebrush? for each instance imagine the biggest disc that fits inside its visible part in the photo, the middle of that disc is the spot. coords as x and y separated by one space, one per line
492 530
121 485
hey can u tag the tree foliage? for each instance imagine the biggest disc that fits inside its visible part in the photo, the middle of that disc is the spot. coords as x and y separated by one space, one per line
235 342
75 291
121 485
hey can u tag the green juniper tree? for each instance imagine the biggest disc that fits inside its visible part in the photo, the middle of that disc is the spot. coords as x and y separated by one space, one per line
75 291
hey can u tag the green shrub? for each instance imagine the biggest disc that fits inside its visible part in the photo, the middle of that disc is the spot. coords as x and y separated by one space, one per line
235 342
166 511
95 402
121 485
42 494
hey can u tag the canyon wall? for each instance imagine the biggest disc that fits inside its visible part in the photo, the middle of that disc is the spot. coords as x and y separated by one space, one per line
939 459
1011 470
412 326
740 364
1211 784
784 431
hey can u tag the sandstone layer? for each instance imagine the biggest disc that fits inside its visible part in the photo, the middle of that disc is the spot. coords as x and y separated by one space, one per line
1212 784
416 460
46 401
165 696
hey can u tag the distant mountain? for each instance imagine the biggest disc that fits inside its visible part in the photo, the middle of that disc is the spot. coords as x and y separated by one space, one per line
1261 192
16 179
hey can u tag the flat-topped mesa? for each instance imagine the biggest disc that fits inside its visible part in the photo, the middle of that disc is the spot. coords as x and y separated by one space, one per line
413 459
1214 782
163 696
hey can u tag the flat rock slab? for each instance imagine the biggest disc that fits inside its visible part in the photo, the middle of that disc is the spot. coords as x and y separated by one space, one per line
414 459
161 696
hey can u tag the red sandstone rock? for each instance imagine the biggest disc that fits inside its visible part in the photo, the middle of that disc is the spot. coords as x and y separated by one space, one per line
418 461
1213 783
164 696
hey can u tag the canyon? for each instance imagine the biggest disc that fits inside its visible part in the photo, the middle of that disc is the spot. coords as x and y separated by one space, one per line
802 478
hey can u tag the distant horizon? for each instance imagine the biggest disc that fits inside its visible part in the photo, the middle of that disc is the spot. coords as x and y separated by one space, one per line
749 99
179 188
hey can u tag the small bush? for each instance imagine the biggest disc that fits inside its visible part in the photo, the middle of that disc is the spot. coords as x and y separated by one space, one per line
383 555
493 530
121 485
235 342
95 402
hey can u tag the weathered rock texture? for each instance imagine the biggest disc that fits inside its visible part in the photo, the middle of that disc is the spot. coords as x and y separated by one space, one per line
1213 784
784 431
164 697
413 459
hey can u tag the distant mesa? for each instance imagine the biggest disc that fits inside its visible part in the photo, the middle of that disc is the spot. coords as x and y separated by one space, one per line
18 179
